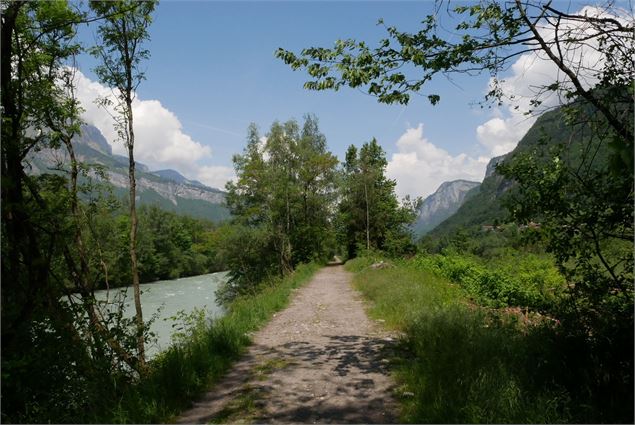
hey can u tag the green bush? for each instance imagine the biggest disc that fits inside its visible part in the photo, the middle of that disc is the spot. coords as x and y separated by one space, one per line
466 368
251 256
527 281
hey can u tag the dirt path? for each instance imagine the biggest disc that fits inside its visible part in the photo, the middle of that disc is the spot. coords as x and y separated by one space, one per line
321 360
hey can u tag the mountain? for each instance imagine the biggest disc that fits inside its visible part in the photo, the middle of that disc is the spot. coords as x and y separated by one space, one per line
442 204
167 189
481 205
491 165
484 205
175 176
92 137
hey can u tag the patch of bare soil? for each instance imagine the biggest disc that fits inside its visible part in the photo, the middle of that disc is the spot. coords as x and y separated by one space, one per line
321 360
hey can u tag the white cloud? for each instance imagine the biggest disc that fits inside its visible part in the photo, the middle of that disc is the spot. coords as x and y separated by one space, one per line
160 141
159 138
500 135
214 176
419 167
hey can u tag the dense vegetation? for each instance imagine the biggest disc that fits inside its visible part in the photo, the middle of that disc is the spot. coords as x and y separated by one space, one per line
459 362
170 246
292 204
369 213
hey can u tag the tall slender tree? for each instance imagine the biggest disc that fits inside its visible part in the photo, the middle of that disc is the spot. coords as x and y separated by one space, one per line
120 50
370 214
316 181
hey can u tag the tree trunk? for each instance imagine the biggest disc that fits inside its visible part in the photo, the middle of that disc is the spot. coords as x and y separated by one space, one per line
367 217
133 237
83 284
23 265
287 238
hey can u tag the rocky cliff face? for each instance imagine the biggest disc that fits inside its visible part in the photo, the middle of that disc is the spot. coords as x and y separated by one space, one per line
442 204
166 188
92 137
491 165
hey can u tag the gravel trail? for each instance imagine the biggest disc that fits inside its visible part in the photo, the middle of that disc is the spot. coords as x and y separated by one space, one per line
321 360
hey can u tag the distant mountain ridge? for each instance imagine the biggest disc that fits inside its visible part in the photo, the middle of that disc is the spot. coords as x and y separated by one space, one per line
167 189
484 205
177 177
444 202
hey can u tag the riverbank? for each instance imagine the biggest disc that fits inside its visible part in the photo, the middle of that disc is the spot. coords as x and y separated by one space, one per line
199 357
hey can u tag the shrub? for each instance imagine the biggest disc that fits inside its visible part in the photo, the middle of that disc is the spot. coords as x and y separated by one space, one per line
527 281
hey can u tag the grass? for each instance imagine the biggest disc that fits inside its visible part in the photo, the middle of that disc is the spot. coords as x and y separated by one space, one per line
201 357
460 363
247 405
242 409
264 369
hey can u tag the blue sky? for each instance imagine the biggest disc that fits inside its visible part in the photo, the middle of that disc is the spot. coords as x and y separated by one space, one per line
212 71
217 60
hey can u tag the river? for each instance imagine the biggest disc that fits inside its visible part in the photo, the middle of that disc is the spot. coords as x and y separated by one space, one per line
168 297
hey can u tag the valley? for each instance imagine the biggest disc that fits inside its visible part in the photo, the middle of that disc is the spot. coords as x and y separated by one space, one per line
308 212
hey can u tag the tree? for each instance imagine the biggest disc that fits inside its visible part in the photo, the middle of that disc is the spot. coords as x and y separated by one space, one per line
121 36
249 200
49 350
36 41
316 180
284 193
370 214
281 175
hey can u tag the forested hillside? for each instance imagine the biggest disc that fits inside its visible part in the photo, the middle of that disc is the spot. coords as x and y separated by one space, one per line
485 206
490 203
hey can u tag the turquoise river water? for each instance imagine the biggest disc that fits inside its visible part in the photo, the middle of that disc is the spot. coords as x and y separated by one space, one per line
166 298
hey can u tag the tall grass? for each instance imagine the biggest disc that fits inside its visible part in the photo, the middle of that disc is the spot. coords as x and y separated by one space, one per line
200 356
461 364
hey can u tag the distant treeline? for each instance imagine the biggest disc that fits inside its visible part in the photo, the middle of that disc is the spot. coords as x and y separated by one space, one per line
169 246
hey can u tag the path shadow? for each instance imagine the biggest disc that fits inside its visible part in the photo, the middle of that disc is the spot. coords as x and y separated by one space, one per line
363 354
351 364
